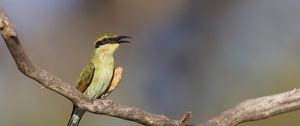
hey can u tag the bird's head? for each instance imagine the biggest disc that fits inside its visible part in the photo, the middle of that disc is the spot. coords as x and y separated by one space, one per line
109 42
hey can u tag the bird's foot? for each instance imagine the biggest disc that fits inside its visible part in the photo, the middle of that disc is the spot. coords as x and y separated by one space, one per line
107 101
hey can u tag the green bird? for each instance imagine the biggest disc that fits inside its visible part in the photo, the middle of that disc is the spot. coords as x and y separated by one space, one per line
99 77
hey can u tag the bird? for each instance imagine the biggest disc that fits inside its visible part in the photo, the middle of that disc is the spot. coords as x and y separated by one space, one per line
99 77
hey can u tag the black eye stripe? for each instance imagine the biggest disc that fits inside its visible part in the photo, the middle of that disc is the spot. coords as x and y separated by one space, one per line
98 44
102 42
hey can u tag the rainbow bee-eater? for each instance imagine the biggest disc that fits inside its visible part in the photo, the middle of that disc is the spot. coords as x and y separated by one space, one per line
99 77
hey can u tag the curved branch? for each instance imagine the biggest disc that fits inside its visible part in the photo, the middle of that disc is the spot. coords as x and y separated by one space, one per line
250 110
53 83
257 109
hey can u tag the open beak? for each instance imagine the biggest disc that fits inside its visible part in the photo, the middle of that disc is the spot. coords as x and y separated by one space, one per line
119 39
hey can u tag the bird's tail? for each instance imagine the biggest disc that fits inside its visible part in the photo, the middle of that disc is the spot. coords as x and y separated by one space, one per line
76 116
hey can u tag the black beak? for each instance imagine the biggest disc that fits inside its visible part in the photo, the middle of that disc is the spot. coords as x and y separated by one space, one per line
119 39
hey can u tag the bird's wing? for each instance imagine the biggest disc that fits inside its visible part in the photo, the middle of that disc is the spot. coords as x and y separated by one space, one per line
85 77
115 82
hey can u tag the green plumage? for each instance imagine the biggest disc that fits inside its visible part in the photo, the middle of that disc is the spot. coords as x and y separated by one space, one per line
104 66
96 77
85 77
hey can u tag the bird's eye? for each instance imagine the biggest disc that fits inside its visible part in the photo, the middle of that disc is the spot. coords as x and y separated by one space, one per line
98 44
102 42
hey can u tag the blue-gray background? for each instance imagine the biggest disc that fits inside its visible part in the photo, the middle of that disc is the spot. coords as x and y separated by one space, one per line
187 55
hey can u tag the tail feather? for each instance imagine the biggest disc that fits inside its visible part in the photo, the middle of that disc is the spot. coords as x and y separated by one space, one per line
76 116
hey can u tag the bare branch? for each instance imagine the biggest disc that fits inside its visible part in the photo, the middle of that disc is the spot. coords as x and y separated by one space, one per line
49 81
250 110
185 118
257 109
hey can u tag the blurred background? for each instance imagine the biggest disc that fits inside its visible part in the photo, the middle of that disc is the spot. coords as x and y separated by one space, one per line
203 56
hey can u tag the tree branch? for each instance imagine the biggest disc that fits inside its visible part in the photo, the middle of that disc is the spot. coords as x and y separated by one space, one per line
250 110
49 81
257 109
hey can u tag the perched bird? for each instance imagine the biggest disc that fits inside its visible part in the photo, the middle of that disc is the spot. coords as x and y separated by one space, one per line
99 77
